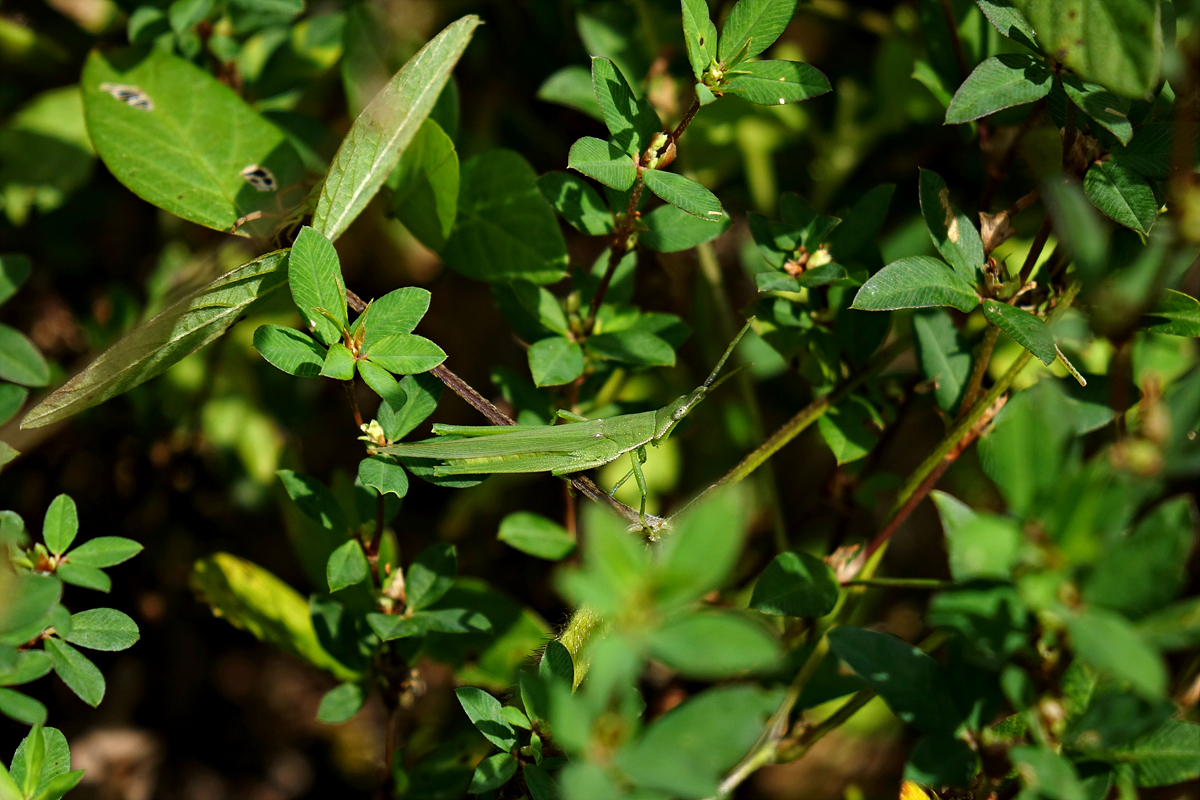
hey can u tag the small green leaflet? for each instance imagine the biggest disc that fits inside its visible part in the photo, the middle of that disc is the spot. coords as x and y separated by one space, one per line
1027 329
604 161
772 83
999 82
683 193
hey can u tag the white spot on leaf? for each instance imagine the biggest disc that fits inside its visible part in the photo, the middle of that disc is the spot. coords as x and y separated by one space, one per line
131 96
260 178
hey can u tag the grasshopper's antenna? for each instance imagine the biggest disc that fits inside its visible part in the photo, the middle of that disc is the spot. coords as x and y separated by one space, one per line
728 353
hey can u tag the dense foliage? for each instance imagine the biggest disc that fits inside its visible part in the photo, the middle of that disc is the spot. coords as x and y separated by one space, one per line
964 242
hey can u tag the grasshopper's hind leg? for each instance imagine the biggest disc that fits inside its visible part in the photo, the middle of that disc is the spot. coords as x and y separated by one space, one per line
638 458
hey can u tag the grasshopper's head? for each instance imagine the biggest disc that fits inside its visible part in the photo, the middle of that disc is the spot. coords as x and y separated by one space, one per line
667 417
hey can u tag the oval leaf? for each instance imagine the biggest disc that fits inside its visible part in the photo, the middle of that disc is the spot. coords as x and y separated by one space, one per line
290 350
916 282
1027 329
555 361
103 629
796 585
683 193
184 141
771 83
1000 82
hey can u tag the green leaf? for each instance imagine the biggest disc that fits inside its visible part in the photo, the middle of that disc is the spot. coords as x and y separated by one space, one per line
580 204
103 629
534 534
1165 756
347 566
753 26
382 132
1108 110
34 596
442 620
541 786
1030 429
1115 43
314 499
845 429
999 82
686 751
79 674
941 761
916 282
397 311
1008 20
21 708
542 305
910 682
12 397
58 787
20 361
1146 569
34 752
616 566
175 333
1078 227
1027 329
382 383
31 665
670 229
425 186
1108 642
1150 152
1176 627
61 525
556 663
339 363
1047 774
341 703
422 392
572 87
700 554
771 83
104 551
405 353
14 271
492 773
431 575
796 585
951 230
716 645
633 122
1122 194
87 577
555 361
700 36
290 350
315 278
684 193
604 161
1174 313
943 355
505 229
56 760
980 545
251 598
185 142
183 14
383 475
632 347
485 713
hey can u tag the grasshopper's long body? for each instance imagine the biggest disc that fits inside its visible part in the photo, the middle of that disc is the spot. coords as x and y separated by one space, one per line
558 449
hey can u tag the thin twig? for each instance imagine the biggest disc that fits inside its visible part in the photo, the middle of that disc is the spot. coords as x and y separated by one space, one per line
960 55
979 370
620 241
1035 252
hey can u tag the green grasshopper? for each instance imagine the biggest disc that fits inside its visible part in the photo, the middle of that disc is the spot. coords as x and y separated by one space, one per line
559 449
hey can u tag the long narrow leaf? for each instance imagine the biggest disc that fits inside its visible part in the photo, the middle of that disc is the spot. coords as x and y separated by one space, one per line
373 146
149 349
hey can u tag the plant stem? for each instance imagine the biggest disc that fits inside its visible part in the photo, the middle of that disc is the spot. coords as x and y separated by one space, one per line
980 369
1035 252
965 424
903 583
808 415
620 241
353 398
960 55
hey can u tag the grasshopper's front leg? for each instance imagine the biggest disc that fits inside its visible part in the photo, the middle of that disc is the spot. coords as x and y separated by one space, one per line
570 416
638 458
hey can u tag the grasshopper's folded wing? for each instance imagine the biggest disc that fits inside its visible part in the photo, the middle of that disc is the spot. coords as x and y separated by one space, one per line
522 440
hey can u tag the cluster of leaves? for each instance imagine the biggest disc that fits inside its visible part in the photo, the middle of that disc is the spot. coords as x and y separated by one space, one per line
1058 614
34 574
21 365
41 767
